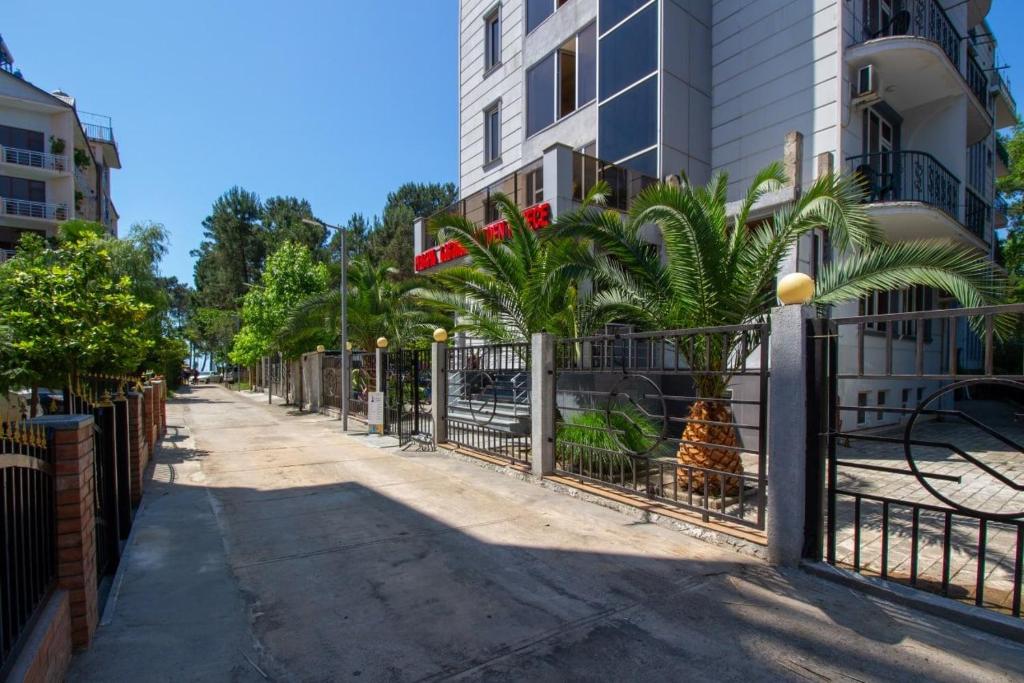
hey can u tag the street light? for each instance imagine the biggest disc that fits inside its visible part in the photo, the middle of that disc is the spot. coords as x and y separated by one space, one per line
344 317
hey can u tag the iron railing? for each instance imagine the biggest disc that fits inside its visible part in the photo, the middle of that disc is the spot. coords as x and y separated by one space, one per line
677 416
977 81
6 254
908 176
407 406
330 380
28 209
976 214
28 157
624 184
920 451
28 545
97 126
488 408
922 19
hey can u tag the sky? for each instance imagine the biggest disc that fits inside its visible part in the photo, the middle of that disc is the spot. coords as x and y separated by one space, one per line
335 101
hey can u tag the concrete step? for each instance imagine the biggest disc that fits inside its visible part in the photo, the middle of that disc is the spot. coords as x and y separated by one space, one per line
488 406
501 423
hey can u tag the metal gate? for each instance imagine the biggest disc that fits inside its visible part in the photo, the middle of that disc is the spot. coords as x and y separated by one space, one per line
919 450
676 416
488 407
407 394
330 379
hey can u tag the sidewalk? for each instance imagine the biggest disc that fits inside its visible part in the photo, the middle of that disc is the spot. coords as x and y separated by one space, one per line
272 547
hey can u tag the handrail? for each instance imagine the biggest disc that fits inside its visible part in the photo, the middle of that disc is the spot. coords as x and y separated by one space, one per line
29 157
908 176
977 81
10 206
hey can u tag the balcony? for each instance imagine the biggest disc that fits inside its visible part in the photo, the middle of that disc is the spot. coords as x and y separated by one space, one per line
1002 160
23 208
1004 106
976 214
913 196
99 129
624 183
34 164
918 60
6 254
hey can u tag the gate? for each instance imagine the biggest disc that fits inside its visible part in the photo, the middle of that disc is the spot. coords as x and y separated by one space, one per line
488 407
407 394
362 382
920 451
330 382
676 416
28 546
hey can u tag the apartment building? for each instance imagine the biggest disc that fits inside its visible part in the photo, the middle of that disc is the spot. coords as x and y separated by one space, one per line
555 94
55 160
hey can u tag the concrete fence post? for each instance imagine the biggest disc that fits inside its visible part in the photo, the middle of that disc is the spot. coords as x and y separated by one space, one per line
72 446
788 408
439 390
379 379
542 403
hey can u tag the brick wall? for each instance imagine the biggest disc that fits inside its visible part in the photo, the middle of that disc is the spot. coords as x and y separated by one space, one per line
138 449
47 654
148 417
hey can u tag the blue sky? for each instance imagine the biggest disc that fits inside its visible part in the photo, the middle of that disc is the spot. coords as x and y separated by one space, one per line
336 102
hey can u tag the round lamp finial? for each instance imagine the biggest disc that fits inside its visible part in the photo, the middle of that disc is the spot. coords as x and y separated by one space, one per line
795 288
382 342
319 348
441 335
348 346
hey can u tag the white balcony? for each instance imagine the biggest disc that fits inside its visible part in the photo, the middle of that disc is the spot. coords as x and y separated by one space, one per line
33 211
1005 106
34 164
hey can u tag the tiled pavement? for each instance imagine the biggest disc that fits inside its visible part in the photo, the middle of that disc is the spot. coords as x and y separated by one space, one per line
976 489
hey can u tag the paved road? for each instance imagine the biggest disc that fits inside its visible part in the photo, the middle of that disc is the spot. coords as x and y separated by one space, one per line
271 547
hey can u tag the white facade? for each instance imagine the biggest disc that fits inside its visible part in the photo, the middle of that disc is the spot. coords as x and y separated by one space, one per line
43 182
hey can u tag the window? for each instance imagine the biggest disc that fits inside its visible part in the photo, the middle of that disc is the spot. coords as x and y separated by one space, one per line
20 138
862 400
629 53
492 39
20 188
880 413
612 12
629 123
492 133
905 396
920 395
878 14
539 10
562 82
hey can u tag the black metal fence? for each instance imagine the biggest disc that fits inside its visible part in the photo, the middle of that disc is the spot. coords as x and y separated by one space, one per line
28 546
407 411
908 176
364 373
676 416
921 455
330 379
488 406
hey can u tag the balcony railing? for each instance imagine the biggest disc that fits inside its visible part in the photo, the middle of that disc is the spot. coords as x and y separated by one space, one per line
28 157
624 183
923 19
976 214
6 254
907 176
977 81
97 126
1002 152
28 209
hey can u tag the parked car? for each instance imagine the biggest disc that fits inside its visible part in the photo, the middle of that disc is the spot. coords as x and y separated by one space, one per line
211 377
230 376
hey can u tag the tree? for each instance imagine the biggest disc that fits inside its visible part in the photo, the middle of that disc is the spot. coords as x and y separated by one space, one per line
719 271
230 258
290 277
283 220
511 288
392 239
1011 190
66 310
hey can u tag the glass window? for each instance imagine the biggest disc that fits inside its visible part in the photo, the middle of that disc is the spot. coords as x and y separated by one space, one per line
629 123
612 12
492 134
629 53
586 48
537 11
646 163
540 95
567 78
492 39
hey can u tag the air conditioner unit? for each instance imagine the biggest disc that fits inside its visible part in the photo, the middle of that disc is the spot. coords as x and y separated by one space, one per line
866 88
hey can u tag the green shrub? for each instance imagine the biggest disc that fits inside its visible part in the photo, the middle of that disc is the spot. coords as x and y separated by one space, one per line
604 450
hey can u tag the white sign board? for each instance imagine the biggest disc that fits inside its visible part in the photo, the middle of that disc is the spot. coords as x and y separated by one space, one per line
375 408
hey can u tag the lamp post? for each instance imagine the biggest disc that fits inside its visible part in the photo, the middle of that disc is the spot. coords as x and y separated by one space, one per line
344 381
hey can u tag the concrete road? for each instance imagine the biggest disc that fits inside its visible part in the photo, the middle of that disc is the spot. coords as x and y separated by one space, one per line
272 547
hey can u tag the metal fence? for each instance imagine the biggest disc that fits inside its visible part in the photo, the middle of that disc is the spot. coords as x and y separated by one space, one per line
28 548
921 451
364 373
488 407
407 407
676 416
330 379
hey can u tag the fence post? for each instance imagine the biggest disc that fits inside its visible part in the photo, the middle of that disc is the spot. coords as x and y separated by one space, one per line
379 379
788 410
439 390
147 416
72 445
138 454
542 403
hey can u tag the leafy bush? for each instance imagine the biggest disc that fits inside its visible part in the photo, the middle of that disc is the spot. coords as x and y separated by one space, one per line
586 437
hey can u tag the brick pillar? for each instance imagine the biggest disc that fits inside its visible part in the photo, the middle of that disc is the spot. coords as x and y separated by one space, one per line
76 522
160 409
148 417
138 450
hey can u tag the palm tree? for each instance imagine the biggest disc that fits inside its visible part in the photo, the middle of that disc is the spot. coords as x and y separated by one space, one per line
511 288
380 304
719 270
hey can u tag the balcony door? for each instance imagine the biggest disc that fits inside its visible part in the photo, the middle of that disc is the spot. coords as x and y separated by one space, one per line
881 147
